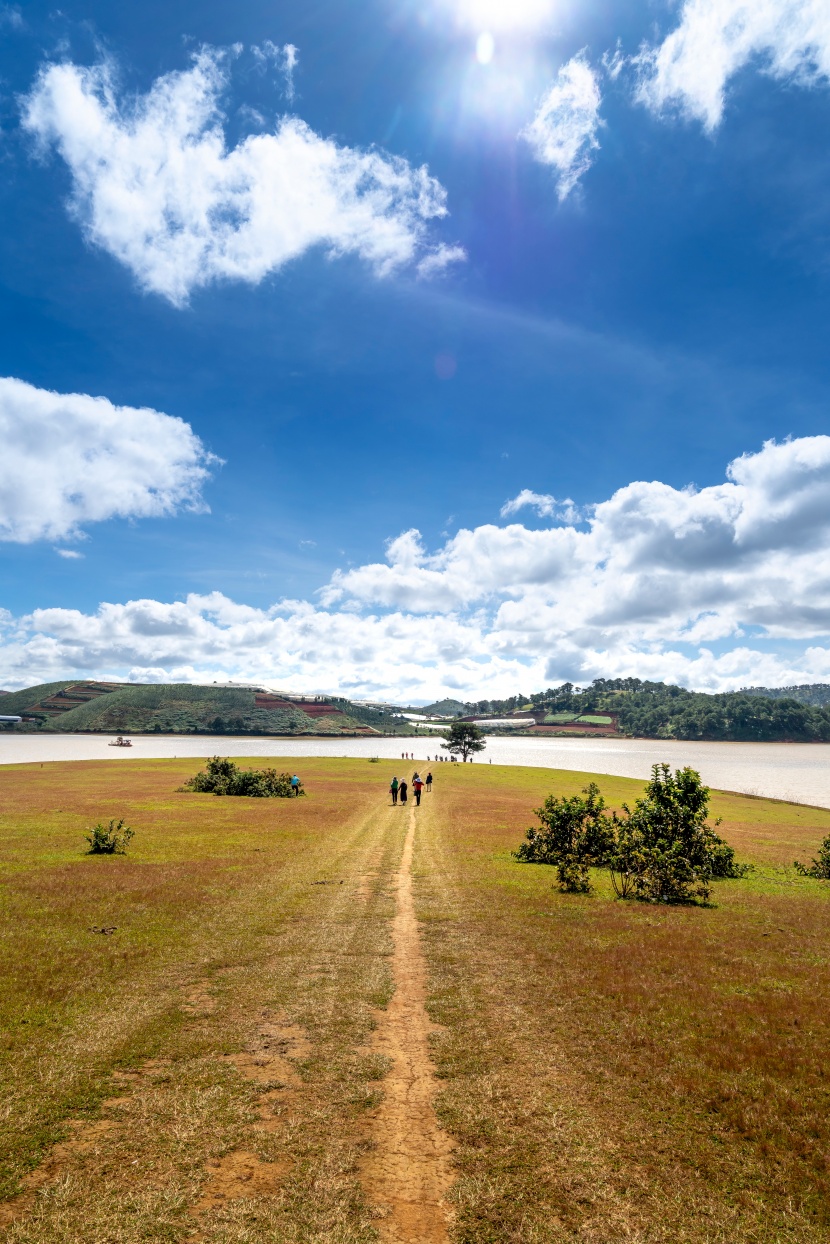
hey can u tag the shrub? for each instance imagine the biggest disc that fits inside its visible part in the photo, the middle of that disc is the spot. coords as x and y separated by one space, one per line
109 839
575 834
820 868
665 851
661 850
224 777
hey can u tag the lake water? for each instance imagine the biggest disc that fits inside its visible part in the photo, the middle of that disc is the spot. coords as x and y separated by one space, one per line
796 771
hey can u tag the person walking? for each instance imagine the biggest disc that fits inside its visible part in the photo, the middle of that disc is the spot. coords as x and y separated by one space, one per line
429 782
417 786
402 789
393 790
295 785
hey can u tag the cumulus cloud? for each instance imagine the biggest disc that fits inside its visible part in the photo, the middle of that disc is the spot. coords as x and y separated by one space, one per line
693 585
69 459
563 133
155 184
649 565
544 504
691 69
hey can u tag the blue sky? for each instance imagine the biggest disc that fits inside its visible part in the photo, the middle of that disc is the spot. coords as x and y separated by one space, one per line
524 279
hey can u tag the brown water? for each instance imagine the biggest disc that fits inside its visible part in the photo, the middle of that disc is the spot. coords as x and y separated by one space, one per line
796 771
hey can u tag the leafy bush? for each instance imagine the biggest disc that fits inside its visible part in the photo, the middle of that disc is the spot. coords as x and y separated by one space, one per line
665 851
820 868
109 839
224 777
575 834
661 850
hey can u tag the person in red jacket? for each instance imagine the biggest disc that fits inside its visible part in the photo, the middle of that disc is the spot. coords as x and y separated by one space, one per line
417 786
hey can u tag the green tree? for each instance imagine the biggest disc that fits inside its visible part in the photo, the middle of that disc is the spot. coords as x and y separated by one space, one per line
464 739
575 834
665 850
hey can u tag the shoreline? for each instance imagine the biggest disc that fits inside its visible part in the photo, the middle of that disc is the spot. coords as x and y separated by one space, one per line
791 772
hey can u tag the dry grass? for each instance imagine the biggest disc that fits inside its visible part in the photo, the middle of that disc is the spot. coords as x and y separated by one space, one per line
610 1071
221 937
620 1071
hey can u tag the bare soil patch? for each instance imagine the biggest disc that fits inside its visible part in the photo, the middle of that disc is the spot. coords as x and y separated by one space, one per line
408 1172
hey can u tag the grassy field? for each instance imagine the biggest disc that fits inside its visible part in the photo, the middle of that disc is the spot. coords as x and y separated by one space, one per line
608 1071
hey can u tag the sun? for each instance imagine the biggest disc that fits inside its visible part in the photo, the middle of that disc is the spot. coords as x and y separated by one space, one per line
502 14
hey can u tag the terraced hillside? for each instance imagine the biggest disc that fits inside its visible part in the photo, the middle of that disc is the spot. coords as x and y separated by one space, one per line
181 708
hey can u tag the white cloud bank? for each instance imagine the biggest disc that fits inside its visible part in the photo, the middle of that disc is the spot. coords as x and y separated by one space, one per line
714 587
156 186
715 39
563 133
69 459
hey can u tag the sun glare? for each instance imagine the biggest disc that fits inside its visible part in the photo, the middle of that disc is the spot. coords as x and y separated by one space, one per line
503 14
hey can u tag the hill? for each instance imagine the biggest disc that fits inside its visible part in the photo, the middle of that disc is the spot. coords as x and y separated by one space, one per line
656 710
815 693
183 708
444 708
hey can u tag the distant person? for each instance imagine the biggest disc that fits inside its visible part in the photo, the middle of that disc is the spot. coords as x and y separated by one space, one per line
393 789
417 786
402 789
295 785
429 782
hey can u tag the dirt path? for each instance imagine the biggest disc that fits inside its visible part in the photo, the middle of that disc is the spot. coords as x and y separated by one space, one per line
408 1173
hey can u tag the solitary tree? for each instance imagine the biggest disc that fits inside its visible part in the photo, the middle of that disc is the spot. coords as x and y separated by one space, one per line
463 739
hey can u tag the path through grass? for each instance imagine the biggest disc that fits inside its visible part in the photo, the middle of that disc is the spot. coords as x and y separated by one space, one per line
209 1070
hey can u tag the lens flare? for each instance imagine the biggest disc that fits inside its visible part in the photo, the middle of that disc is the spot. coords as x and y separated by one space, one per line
485 47
502 14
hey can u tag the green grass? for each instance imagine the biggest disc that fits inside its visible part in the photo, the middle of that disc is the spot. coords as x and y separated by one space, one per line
609 1071
624 1071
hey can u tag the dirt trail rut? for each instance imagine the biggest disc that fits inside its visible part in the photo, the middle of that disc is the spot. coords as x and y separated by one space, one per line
408 1173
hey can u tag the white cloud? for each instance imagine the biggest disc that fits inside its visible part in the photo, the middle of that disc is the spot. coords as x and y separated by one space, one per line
715 39
69 554
438 260
563 132
544 504
69 459
285 59
155 184
712 587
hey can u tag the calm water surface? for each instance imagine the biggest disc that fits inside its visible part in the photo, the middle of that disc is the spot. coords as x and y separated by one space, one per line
797 771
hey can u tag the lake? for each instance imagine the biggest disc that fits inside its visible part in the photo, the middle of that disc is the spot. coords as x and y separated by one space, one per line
796 771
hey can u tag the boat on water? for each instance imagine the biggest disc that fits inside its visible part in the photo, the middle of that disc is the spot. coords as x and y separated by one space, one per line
121 742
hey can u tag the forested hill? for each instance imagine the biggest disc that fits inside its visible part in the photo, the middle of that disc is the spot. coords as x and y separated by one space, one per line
662 711
815 693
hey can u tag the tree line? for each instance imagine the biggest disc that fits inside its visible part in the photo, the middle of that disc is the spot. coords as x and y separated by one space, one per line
664 711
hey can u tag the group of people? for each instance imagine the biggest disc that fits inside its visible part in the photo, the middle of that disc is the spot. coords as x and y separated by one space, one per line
400 789
435 759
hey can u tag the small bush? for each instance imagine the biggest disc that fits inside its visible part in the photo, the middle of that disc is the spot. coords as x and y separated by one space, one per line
665 851
224 777
109 839
819 868
661 850
575 834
